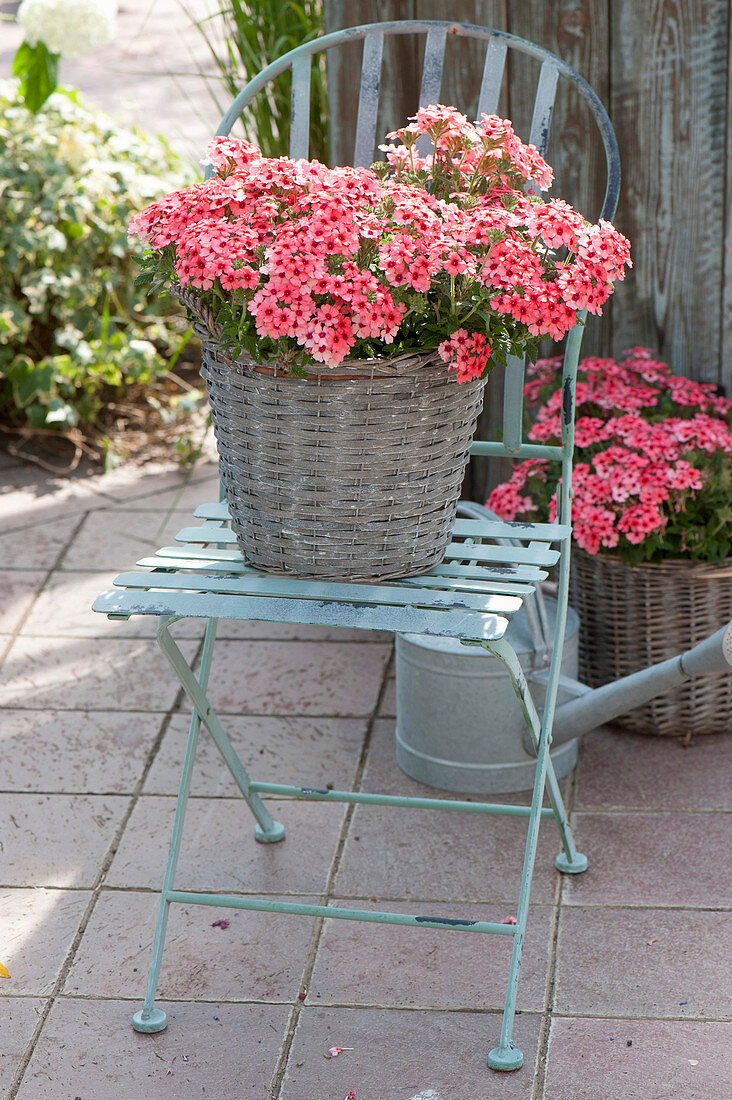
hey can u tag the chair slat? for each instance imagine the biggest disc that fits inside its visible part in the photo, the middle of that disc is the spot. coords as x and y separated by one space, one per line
300 107
463 528
463 551
213 509
500 529
513 403
368 100
536 554
434 58
514 580
429 92
272 585
455 551
449 622
490 88
543 107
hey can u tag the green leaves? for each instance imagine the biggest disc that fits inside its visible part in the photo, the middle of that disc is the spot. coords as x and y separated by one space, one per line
29 380
74 331
37 69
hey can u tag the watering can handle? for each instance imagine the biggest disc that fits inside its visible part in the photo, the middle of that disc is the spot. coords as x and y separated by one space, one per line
536 613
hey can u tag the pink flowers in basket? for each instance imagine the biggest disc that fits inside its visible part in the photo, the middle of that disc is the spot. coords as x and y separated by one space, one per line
654 472
446 252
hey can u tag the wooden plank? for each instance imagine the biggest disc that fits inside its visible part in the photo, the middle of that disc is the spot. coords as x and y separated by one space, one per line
669 82
464 59
535 554
541 117
485 552
432 67
725 362
402 68
577 31
400 79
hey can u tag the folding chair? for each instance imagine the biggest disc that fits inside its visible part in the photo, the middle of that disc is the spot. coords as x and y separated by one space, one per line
471 596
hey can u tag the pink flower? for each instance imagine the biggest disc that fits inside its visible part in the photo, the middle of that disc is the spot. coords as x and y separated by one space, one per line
468 354
653 465
313 261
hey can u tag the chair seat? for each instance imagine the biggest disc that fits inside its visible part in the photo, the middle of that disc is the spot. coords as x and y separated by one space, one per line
471 595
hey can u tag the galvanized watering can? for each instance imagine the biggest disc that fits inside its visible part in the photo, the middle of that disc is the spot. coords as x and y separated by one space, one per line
459 725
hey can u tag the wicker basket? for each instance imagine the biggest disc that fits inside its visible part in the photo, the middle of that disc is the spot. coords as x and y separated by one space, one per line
352 473
635 616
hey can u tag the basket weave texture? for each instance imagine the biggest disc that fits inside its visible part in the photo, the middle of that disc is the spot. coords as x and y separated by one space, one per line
635 616
352 473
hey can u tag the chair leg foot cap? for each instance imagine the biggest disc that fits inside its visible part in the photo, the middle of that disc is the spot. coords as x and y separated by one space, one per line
150 1022
505 1058
571 867
271 835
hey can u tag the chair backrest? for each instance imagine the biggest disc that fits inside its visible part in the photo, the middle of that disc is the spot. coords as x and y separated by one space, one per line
497 45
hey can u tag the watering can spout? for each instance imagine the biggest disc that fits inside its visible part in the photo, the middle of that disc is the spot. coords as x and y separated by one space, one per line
594 708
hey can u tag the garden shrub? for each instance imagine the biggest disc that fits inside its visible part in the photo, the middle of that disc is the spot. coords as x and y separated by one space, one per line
75 332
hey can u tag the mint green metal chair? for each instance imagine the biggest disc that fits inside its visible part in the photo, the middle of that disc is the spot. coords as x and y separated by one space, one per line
471 596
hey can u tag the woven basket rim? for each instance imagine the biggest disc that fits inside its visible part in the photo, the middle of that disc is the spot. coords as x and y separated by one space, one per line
719 570
410 362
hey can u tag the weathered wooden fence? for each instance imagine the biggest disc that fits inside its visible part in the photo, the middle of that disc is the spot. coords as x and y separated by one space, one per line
662 69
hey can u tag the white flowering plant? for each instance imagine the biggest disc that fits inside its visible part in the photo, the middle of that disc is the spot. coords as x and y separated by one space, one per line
55 29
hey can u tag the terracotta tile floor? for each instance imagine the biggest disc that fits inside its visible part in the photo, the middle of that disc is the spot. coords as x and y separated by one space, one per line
626 981
93 731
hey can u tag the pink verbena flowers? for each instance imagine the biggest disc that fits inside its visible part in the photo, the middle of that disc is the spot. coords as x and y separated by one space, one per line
447 252
653 477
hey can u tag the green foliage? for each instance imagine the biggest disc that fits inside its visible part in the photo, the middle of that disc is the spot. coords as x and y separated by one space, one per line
37 69
255 33
74 330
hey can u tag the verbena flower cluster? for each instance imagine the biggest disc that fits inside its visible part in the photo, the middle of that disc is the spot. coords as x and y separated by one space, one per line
653 477
70 28
304 263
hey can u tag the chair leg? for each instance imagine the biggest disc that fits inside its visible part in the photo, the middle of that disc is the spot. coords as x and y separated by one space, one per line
569 860
150 1019
266 831
506 1056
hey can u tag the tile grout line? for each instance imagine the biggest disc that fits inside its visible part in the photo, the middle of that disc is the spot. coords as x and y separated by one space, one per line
457 1010
551 977
40 1023
327 895
343 896
221 713
95 893
89 637
107 494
